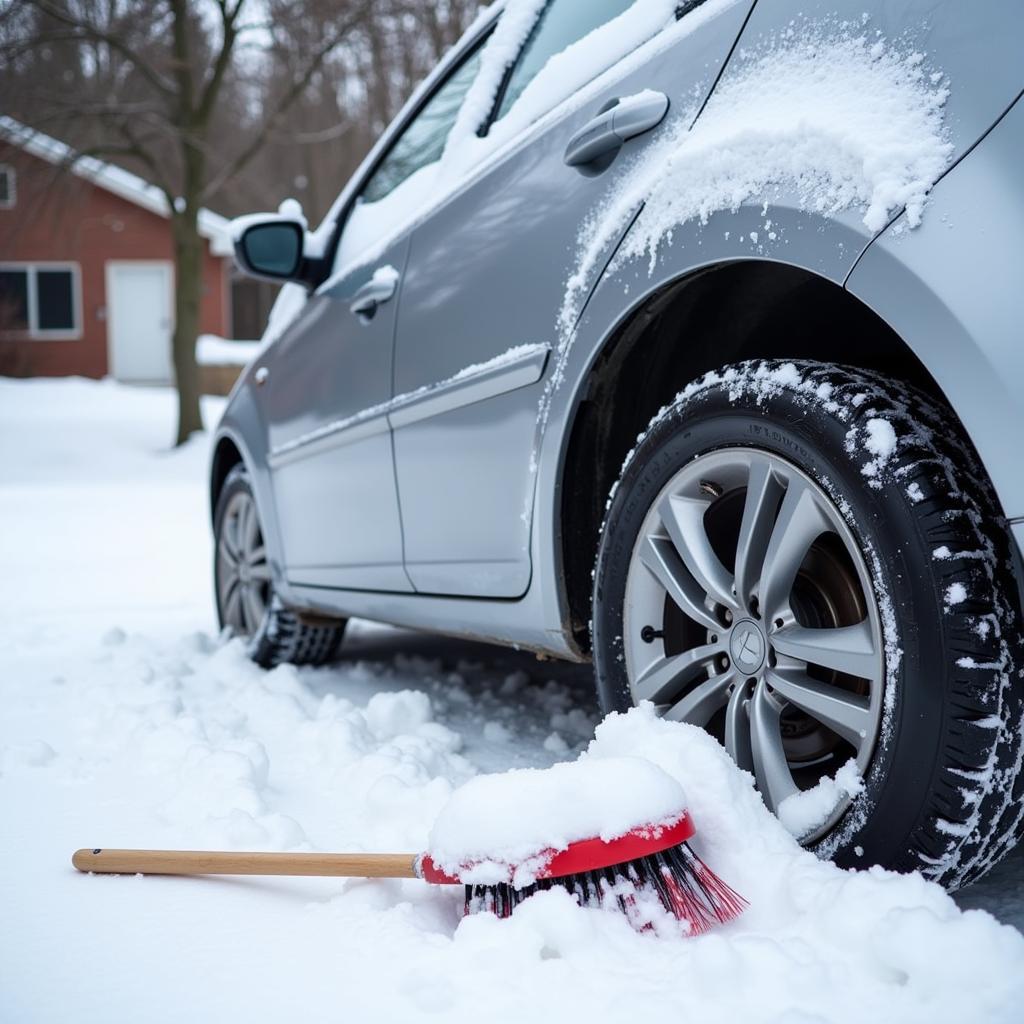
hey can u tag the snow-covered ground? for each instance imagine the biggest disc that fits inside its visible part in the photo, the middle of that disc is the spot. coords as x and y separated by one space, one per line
126 721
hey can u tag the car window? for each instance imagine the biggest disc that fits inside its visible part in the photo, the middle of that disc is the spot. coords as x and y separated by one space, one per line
422 142
406 178
561 24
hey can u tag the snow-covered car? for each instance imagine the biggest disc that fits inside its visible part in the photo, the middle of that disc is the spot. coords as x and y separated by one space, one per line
683 337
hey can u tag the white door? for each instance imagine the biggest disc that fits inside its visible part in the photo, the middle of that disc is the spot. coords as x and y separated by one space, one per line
139 321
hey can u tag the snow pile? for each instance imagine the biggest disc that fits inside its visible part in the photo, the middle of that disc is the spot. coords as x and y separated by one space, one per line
127 721
504 827
827 114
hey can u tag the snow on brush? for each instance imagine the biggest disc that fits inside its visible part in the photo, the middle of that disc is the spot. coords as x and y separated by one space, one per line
542 811
127 721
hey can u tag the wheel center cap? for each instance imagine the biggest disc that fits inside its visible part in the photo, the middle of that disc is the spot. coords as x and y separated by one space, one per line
747 646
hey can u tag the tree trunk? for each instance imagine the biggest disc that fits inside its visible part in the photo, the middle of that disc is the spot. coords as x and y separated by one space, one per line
188 265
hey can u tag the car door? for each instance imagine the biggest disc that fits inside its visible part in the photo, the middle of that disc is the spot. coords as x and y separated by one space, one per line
326 394
486 279
330 457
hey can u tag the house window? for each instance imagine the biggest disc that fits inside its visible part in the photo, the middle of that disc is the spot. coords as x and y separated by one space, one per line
40 300
7 192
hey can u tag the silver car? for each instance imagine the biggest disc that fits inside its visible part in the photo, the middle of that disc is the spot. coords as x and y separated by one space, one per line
686 339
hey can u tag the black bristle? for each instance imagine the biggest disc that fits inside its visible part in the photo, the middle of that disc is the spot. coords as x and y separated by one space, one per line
684 885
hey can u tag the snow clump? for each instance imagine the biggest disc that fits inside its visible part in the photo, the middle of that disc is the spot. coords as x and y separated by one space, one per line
503 827
804 812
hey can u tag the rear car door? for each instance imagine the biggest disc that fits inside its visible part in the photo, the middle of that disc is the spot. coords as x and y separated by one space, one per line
325 396
488 271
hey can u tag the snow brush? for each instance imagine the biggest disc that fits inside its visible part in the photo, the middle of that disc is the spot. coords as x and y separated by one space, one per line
531 845
656 860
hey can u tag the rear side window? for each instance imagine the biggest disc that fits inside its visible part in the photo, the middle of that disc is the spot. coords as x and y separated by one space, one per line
422 142
562 24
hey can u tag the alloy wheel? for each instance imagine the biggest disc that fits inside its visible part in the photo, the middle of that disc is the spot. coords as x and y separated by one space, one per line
243 575
749 611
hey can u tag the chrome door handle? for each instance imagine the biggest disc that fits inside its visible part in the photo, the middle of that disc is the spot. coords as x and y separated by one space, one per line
378 290
597 143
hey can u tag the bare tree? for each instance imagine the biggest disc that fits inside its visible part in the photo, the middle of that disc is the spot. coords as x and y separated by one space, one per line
229 103
148 79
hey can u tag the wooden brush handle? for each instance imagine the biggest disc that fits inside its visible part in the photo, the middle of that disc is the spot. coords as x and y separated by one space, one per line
198 862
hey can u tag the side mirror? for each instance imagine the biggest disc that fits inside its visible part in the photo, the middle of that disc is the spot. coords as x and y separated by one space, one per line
271 247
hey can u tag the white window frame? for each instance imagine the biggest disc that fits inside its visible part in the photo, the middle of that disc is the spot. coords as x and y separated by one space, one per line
12 187
34 332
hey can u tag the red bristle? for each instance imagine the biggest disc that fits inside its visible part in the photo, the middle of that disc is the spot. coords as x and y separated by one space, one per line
684 885
728 903
686 905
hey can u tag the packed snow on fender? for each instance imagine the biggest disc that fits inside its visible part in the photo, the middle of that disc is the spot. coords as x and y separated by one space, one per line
128 721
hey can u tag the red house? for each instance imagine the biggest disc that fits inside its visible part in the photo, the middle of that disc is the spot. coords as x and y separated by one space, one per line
86 266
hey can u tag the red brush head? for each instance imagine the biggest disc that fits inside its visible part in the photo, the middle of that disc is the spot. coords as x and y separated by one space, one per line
588 854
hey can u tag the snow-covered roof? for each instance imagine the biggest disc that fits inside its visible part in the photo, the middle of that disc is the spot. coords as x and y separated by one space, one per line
113 179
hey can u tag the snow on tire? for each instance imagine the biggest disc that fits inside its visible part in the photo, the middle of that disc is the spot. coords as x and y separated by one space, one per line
944 791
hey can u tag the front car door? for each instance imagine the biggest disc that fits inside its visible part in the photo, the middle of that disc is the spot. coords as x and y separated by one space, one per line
487 278
330 457
326 391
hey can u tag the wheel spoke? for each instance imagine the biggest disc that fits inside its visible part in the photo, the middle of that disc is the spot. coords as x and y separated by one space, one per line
683 518
228 582
801 521
659 556
226 552
260 571
737 727
233 614
252 528
237 529
759 507
228 541
845 713
242 526
666 677
849 649
698 706
774 779
253 608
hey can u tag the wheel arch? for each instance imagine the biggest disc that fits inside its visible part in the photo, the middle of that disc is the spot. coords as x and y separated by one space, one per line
726 312
226 455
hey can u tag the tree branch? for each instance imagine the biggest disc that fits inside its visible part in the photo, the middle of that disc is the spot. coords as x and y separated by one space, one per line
156 175
229 34
94 32
298 86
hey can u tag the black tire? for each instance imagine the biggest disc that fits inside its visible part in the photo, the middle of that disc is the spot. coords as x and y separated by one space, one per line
944 793
282 636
